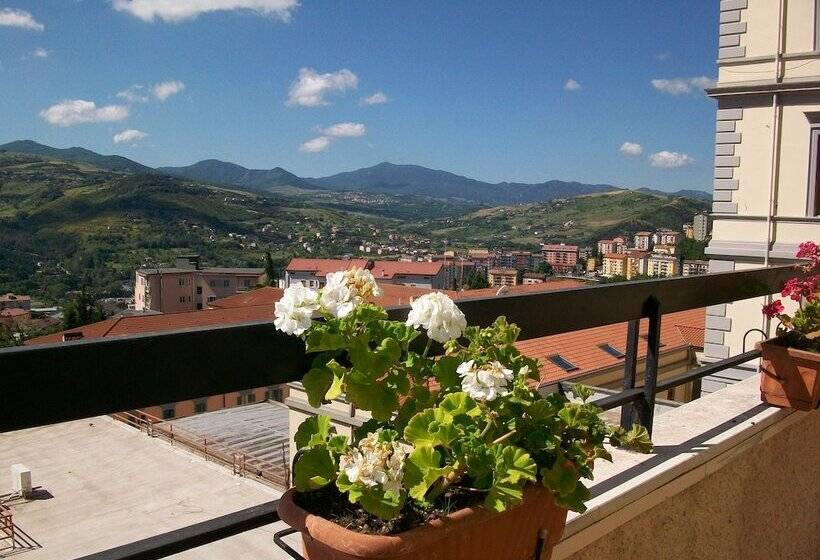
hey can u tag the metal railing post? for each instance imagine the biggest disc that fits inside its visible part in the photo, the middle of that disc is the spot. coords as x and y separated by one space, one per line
646 405
630 368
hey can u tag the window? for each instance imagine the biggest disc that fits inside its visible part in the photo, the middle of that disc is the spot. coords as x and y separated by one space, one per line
200 407
611 350
212 283
274 394
246 282
199 290
226 283
168 413
562 362
250 398
211 298
813 205
199 306
239 400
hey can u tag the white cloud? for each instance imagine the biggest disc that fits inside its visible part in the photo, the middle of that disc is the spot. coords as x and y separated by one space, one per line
668 160
663 56
77 111
40 52
310 88
377 98
345 130
128 136
164 90
10 17
631 149
174 11
680 86
572 85
318 144
134 94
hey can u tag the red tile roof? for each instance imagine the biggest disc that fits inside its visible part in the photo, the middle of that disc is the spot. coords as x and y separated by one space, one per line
322 267
560 247
379 269
14 312
678 330
389 269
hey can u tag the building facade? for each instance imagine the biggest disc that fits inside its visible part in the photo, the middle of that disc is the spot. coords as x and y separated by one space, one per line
692 268
643 240
766 197
614 264
563 258
188 287
662 265
700 226
15 301
502 277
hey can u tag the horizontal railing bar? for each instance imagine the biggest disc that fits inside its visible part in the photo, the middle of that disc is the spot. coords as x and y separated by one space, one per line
50 383
193 536
619 399
708 369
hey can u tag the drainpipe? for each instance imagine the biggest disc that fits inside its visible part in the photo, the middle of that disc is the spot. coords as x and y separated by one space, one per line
776 124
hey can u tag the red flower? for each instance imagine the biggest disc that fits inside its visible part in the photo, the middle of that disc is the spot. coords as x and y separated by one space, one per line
798 289
811 251
773 309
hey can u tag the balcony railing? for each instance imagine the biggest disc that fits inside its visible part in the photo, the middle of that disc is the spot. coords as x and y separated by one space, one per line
67 381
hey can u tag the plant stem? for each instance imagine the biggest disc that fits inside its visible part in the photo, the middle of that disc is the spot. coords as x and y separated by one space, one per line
427 347
505 437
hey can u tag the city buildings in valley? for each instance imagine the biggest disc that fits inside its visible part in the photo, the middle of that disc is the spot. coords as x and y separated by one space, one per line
533 278
502 277
188 286
563 258
693 267
438 275
614 264
666 237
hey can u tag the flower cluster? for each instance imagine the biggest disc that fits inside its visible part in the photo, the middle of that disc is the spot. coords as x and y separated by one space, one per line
294 311
485 382
802 329
437 313
374 462
346 290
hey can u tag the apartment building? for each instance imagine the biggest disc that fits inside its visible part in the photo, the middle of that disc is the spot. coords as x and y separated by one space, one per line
563 258
636 264
502 277
666 237
662 265
481 258
533 278
692 268
614 264
188 286
15 301
643 240
766 196
664 249
688 231
700 226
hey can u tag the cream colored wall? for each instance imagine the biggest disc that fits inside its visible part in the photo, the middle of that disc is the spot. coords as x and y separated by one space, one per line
759 505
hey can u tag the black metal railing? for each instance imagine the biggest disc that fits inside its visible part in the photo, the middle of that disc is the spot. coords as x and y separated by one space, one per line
57 382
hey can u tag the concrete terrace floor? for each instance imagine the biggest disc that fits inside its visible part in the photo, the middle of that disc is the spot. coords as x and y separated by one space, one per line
111 485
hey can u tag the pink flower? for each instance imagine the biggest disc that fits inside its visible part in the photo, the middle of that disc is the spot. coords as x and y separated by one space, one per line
798 289
811 251
773 309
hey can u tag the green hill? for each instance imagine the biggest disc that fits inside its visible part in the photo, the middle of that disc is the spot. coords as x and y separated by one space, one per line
81 155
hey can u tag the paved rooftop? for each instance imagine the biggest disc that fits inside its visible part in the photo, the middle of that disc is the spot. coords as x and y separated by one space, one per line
104 484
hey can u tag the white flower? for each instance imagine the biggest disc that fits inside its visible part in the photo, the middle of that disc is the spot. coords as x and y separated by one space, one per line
373 462
294 311
346 290
439 315
486 382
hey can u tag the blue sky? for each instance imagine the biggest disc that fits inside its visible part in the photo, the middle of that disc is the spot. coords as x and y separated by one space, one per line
478 88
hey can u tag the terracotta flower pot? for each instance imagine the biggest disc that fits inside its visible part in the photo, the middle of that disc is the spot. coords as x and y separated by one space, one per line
789 377
467 534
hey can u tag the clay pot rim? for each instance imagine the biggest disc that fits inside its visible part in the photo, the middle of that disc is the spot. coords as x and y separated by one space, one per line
796 352
384 546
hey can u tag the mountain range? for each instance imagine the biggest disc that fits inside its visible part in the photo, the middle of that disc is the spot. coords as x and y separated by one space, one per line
384 178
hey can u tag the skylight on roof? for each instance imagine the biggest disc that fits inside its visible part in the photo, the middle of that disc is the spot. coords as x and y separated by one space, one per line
562 362
611 350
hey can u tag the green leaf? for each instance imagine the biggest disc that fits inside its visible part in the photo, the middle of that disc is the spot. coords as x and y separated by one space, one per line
337 445
422 469
314 469
561 478
432 427
317 383
637 439
444 370
313 431
458 404
374 361
582 392
514 468
374 396
320 338
384 505
576 499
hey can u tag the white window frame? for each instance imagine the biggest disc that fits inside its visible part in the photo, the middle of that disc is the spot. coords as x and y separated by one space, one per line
813 188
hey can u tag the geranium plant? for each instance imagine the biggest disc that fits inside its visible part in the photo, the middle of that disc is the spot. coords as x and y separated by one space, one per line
470 418
802 328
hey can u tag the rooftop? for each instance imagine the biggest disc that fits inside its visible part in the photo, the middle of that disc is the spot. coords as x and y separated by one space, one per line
13 297
207 270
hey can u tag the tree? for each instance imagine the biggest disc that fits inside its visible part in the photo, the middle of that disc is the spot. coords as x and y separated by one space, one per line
544 267
476 280
692 250
271 273
82 310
